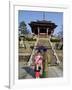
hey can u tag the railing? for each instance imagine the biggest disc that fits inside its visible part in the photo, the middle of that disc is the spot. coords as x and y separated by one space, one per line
58 61
30 60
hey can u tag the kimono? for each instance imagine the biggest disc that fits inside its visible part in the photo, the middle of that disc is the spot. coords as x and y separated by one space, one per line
38 66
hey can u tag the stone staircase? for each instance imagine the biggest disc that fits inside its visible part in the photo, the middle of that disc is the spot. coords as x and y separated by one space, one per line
43 35
44 42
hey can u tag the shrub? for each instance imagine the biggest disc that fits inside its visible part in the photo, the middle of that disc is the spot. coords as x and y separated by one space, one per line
32 47
61 47
55 40
30 39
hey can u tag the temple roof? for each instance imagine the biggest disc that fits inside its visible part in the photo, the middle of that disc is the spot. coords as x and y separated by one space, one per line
42 23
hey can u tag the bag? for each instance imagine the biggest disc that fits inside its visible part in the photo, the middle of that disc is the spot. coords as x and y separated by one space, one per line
39 67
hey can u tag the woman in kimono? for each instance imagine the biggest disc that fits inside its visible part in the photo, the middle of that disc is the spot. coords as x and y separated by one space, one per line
38 64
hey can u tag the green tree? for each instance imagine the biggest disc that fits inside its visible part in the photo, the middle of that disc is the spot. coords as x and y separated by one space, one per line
23 28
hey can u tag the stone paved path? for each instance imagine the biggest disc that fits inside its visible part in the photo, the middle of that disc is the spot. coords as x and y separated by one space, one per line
54 71
28 73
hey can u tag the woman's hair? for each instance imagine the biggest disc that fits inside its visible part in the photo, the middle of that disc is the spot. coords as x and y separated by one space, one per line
45 49
39 51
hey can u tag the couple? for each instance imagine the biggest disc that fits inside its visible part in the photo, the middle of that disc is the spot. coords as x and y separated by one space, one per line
41 64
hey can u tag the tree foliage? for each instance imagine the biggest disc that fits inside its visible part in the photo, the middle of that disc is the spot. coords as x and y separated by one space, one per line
23 28
60 34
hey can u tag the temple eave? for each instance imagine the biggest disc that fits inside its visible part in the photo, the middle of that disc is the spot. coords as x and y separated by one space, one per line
42 27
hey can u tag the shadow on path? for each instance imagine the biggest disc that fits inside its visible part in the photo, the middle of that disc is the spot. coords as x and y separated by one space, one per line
29 70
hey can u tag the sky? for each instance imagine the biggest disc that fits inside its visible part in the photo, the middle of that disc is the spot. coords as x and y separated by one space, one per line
28 16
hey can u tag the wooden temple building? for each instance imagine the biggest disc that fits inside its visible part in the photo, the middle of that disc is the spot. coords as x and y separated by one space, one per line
42 27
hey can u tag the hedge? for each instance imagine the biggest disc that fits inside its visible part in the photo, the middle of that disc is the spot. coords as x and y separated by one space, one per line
55 40
30 39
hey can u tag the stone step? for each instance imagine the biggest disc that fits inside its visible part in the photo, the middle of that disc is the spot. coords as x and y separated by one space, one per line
52 57
45 42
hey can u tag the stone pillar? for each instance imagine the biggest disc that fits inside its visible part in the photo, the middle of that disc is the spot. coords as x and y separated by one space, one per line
52 32
38 31
47 32
21 43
